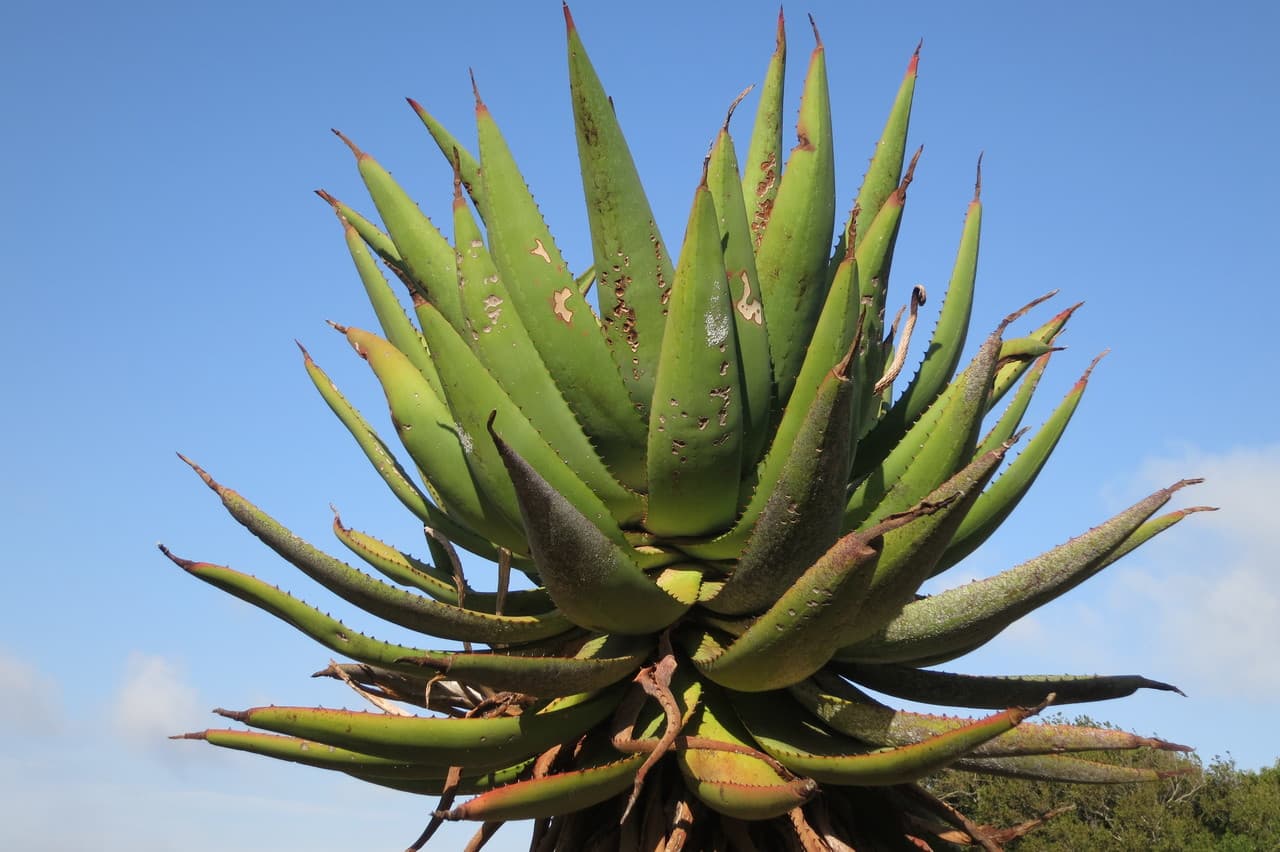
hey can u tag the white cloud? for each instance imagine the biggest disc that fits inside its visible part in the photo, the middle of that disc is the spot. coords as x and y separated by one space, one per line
1213 600
1241 482
30 701
153 702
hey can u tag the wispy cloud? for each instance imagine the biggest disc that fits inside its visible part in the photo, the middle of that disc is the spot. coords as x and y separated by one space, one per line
1213 600
32 704
153 701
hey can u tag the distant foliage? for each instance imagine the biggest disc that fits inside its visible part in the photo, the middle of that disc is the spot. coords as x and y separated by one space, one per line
1217 807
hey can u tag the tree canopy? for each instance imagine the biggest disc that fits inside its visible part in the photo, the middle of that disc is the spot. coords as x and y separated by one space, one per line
1215 806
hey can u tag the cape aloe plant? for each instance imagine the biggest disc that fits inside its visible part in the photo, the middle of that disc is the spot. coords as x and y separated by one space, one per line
725 509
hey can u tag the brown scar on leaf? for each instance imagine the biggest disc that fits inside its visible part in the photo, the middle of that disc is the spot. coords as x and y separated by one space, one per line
559 298
493 310
768 176
749 309
764 194
723 395
624 313
540 250
660 256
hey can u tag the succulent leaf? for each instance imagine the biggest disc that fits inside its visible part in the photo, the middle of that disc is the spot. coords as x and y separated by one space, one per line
558 318
938 628
697 394
456 155
406 570
942 355
585 785
998 501
507 364
961 690
1062 768
795 246
920 464
885 171
847 710
832 758
634 269
909 554
425 255
763 169
440 446
793 514
488 742
582 560
602 662
388 468
755 371
734 778
396 327
310 753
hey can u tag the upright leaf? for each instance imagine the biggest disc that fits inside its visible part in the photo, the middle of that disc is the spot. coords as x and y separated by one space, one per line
793 253
632 264
755 370
763 168
558 318
695 428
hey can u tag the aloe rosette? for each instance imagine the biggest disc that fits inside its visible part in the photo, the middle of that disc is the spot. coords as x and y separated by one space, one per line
724 508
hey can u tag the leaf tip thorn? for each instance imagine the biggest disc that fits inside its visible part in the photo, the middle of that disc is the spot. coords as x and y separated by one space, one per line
354 149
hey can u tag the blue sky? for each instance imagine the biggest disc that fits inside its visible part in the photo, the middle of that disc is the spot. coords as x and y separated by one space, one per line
163 249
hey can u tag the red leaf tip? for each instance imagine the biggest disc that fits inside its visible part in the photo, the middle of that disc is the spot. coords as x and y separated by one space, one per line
1007 321
174 558
237 715
735 103
1084 379
913 64
817 37
354 149
201 472
899 195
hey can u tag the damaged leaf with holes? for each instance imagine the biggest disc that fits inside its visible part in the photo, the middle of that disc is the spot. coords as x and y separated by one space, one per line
708 497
